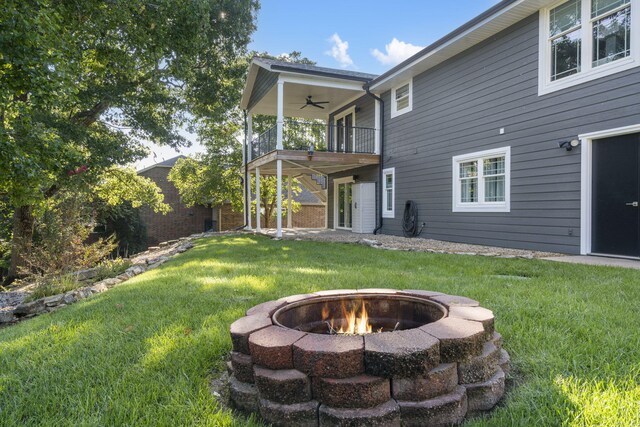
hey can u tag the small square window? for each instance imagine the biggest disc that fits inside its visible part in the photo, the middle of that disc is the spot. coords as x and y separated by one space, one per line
402 99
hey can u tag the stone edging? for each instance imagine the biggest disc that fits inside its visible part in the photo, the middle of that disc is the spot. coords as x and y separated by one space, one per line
144 261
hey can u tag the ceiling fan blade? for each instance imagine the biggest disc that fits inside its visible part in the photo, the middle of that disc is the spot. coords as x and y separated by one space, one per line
318 106
321 102
304 106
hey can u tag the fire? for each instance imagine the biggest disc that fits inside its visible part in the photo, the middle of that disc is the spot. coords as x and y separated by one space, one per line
354 321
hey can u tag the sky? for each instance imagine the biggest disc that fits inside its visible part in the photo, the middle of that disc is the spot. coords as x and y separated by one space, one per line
369 36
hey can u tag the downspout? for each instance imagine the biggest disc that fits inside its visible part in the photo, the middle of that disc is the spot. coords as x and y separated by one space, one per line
381 130
247 186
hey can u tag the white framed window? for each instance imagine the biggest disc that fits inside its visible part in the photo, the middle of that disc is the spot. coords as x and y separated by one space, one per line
402 98
388 192
582 40
481 181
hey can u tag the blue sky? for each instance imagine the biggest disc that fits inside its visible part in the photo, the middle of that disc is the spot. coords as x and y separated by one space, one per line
346 33
311 28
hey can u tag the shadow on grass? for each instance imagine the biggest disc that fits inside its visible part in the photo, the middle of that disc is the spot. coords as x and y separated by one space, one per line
143 353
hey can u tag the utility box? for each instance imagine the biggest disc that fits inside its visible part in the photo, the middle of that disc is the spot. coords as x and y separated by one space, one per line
363 206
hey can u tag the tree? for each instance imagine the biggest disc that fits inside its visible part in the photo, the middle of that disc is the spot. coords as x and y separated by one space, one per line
215 177
82 83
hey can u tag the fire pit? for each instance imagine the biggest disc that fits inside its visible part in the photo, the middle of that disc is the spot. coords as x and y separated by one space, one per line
375 357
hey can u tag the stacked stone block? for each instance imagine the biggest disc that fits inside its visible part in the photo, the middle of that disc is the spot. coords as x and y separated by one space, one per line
437 374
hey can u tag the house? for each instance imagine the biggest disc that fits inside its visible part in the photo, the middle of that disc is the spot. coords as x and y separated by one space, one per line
519 129
184 221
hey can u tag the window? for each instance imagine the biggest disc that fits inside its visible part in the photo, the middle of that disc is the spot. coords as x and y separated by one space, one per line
581 40
402 99
481 181
388 190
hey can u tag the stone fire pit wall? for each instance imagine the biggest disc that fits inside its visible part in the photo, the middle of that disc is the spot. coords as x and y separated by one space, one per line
437 374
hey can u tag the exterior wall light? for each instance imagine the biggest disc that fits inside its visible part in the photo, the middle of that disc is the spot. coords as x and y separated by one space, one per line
569 145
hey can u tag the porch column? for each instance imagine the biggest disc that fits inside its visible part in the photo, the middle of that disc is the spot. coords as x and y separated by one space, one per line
289 204
248 204
377 126
279 199
280 118
258 228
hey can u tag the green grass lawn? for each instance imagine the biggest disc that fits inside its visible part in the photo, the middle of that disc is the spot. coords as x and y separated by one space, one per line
144 352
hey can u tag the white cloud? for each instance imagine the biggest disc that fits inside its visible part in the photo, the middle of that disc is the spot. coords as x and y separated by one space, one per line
339 51
396 52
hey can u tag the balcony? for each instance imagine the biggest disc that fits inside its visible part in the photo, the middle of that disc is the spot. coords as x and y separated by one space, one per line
313 147
316 137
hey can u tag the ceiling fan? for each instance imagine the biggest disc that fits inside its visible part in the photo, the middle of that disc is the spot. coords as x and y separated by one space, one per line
314 103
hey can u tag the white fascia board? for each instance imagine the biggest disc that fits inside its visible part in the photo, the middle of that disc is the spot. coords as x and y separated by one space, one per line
465 40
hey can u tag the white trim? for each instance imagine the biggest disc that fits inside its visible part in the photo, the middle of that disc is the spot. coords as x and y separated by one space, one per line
386 213
377 126
394 104
587 71
345 180
586 187
482 206
324 82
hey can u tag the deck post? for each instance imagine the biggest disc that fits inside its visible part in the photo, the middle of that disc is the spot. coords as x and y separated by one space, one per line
280 118
289 204
258 208
279 199
249 136
248 204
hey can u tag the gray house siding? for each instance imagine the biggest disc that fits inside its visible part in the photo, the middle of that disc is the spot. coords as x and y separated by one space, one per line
365 174
263 84
459 107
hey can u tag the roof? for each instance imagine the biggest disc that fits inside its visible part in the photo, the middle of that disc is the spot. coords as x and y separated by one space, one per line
164 164
277 65
480 28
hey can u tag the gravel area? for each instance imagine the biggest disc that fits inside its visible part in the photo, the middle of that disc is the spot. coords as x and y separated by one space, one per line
384 241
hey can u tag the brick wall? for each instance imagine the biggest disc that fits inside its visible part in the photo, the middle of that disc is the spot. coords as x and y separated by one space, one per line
309 216
180 222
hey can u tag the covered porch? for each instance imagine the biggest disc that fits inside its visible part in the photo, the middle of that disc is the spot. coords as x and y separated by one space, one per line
307 141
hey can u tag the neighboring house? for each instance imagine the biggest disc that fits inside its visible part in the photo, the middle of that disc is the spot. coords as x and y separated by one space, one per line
519 129
184 221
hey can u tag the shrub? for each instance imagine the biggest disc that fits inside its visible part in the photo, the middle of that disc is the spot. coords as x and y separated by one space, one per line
111 268
46 287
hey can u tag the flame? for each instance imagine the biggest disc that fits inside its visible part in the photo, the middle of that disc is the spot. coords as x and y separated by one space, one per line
353 321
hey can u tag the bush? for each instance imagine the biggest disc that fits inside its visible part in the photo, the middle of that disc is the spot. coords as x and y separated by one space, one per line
46 287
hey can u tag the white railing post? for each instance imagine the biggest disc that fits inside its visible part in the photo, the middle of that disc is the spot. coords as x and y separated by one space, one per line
258 208
280 118
279 199
249 197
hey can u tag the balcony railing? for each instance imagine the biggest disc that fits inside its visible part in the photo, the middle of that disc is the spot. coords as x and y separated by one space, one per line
321 137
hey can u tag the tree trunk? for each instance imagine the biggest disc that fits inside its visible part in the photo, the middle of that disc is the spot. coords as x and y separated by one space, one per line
23 222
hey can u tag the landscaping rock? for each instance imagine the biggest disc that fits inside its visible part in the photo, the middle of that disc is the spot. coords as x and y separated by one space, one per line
6 316
135 270
362 391
400 354
69 297
285 386
441 380
329 356
84 275
445 410
53 300
98 288
385 415
294 415
29 308
271 347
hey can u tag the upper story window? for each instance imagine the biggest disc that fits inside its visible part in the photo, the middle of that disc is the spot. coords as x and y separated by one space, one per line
581 40
481 181
388 196
402 98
